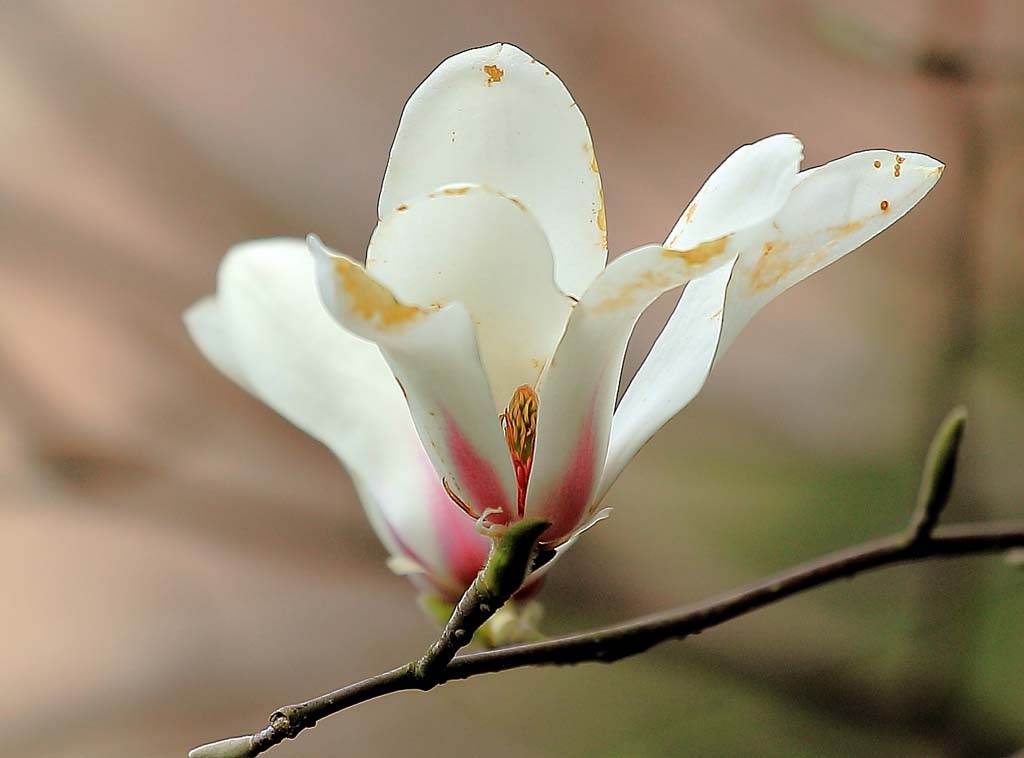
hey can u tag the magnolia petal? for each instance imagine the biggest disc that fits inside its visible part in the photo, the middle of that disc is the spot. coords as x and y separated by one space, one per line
750 185
742 195
206 327
433 354
580 382
498 117
832 210
485 250
267 330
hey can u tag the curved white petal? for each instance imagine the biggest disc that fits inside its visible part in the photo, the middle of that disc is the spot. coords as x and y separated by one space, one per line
267 330
433 354
832 210
483 249
576 394
498 117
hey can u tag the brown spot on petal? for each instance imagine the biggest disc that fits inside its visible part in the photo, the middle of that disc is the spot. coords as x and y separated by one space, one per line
771 266
370 300
494 74
515 201
900 159
704 252
688 215
589 150
844 229
455 190
644 284
877 164
403 207
885 205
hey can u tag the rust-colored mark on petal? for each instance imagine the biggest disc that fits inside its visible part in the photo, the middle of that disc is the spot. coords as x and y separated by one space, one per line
515 201
402 208
884 205
647 282
589 150
704 252
900 159
843 229
494 74
771 267
458 500
601 219
370 300
877 164
455 190
690 209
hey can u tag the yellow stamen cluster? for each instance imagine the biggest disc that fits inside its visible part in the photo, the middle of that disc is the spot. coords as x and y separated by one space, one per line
520 424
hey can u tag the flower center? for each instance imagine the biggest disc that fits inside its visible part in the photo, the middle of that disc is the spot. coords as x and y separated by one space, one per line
519 422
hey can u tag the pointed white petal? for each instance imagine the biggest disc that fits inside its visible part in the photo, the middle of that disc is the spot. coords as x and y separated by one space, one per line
832 210
267 330
496 116
576 394
478 247
433 354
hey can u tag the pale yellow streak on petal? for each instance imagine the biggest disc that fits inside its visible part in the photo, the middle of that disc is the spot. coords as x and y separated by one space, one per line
370 300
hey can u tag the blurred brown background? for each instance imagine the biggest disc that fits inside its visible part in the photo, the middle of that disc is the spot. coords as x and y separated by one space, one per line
177 561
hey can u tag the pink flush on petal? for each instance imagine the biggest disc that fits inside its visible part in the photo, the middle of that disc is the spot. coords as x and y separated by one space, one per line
477 479
567 504
463 548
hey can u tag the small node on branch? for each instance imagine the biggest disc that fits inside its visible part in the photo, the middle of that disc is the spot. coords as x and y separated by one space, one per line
938 475
236 747
506 569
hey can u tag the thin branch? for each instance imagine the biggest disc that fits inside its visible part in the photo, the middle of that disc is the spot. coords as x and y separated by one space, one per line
617 642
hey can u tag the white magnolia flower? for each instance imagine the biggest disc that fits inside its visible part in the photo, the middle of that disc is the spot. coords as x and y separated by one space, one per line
487 293
486 288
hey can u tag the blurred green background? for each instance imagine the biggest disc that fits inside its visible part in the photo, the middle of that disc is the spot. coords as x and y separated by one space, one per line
178 561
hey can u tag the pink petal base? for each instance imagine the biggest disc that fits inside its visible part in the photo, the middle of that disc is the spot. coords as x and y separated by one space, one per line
566 506
477 478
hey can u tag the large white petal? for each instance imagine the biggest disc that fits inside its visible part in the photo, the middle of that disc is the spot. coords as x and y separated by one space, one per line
832 210
485 250
433 354
496 116
267 330
576 394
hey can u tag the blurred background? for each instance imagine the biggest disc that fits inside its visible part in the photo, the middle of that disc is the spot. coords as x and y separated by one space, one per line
178 561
